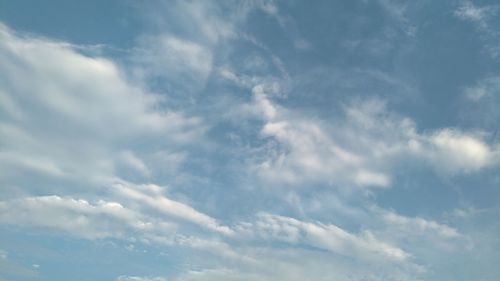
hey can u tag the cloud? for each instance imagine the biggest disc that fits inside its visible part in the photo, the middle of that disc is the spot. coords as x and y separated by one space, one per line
139 278
131 160
78 125
468 11
183 57
180 63
449 151
13 269
298 264
323 236
454 151
68 115
76 217
295 266
482 19
126 220
417 233
300 249
417 225
479 102
151 195
81 127
307 152
205 23
398 10
484 89
362 147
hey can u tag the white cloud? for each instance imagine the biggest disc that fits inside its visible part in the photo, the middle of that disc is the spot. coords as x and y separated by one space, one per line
179 61
360 148
307 152
76 125
468 11
139 278
325 251
298 264
482 17
448 150
476 93
3 254
398 10
78 217
455 151
203 21
9 267
324 236
125 220
416 226
67 115
131 160
479 102
151 195
483 89
76 129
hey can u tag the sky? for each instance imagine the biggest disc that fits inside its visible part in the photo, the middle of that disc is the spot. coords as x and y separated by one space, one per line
249 140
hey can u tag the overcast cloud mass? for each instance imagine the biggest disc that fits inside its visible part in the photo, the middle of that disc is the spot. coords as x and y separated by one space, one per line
250 140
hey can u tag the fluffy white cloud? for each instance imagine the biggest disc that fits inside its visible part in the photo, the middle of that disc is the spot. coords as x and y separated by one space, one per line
362 147
454 151
307 151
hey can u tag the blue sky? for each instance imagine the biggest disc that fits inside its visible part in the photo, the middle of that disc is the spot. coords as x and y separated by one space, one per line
249 140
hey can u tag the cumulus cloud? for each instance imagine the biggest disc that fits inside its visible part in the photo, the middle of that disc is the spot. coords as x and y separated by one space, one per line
455 151
361 148
307 152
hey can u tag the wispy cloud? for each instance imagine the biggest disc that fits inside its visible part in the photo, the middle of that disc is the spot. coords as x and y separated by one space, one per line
362 149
